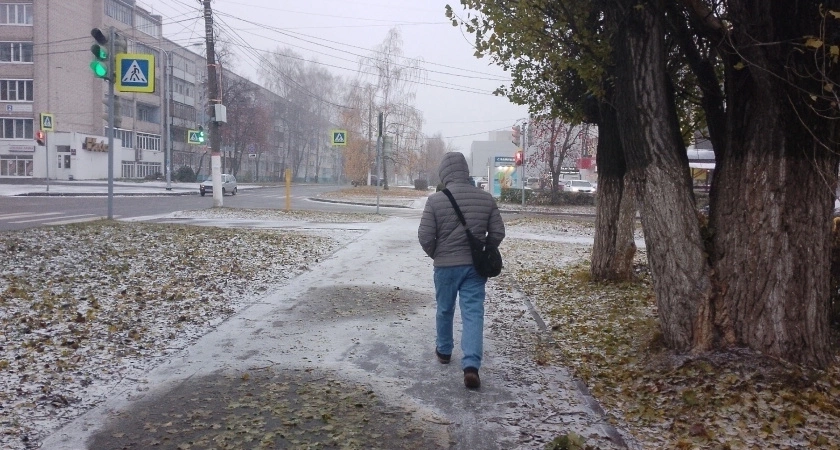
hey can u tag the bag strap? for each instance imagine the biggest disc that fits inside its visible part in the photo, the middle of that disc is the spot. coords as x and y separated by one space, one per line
457 209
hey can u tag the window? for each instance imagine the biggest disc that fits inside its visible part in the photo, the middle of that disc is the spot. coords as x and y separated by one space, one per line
16 14
17 128
148 113
118 10
148 141
182 87
15 166
16 90
147 25
126 136
16 52
182 111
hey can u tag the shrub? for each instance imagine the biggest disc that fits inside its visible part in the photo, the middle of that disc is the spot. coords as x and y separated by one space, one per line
185 174
421 185
514 195
548 198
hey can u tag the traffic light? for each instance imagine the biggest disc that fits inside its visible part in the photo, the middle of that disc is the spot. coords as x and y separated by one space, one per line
519 158
101 59
200 135
40 137
515 135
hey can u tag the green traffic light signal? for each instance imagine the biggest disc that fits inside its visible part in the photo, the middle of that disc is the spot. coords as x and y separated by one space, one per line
99 69
200 135
101 62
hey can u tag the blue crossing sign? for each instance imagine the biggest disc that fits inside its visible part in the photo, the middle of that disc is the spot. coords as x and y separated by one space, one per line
339 137
135 73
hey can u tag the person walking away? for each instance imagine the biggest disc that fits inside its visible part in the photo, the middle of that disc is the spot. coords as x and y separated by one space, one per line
444 239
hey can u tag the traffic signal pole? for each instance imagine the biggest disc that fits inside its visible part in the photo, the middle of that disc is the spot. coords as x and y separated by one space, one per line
213 90
111 81
47 158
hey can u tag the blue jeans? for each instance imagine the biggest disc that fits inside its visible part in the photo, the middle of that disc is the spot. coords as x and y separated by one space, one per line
466 284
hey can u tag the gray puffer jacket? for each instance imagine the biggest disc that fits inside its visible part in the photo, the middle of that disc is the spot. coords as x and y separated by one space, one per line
441 234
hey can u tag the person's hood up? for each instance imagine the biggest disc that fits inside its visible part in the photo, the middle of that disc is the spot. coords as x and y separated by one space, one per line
454 168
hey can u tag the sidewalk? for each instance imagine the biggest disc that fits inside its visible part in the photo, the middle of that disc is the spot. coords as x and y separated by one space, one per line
31 187
344 356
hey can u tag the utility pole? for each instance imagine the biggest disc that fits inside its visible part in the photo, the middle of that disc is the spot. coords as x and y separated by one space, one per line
524 148
379 146
213 90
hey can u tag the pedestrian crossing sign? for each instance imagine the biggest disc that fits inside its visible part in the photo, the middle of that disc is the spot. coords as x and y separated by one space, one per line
339 137
193 137
47 122
135 73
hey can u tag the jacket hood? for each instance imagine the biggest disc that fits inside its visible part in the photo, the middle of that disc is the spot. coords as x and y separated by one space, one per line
454 168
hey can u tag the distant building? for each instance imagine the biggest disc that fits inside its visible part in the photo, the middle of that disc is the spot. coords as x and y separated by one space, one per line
44 69
482 153
44 57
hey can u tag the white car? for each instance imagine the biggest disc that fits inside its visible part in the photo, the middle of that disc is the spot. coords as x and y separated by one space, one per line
228 185
579 186
479 182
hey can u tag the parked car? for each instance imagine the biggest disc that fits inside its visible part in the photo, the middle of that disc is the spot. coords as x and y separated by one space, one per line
579 186
228 185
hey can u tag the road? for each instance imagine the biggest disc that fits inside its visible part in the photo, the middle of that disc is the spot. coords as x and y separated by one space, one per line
21 212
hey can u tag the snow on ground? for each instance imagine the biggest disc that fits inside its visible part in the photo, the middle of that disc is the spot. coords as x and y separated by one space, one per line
85 306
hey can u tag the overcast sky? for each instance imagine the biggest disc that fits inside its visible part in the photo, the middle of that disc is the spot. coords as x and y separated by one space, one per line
457 98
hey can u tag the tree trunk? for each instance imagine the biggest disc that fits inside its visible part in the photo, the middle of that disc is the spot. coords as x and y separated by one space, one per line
614 249
774 188
658 168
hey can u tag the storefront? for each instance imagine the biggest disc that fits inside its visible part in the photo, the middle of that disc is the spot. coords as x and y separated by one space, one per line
76 156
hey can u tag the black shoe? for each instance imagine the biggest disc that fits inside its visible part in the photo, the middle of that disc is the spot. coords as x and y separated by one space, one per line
471 379
443 359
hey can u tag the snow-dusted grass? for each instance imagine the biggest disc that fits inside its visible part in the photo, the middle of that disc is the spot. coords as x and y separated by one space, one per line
83 306
608 335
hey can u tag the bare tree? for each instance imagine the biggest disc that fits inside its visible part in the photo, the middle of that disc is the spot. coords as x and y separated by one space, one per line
393 76
554 143
307 89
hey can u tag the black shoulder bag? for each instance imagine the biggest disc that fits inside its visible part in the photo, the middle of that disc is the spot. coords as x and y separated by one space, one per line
486 258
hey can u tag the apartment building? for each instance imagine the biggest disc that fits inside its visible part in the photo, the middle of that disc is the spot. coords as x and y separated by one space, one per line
45 70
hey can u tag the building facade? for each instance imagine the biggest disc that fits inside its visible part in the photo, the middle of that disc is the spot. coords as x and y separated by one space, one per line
44 70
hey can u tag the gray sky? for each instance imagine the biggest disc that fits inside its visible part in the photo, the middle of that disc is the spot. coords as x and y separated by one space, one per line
456 99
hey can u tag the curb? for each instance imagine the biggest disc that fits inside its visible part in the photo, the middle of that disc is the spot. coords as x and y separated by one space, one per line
357 203
546 213
97 194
